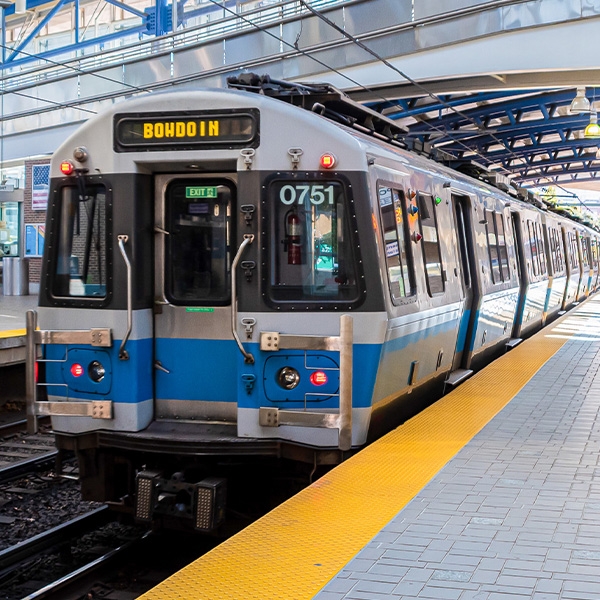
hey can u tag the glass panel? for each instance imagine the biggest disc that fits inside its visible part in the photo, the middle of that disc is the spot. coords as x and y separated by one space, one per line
585 251
490 227
82 240
9 228
462 240
503 253
560 263
392 219
573 249
430 245
534 248
312 254
197 257
542 250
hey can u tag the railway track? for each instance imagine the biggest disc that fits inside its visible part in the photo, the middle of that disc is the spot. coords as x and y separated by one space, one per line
47 553
21 453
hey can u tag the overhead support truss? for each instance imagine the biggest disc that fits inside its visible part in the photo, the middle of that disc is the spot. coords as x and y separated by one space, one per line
529 135
156 19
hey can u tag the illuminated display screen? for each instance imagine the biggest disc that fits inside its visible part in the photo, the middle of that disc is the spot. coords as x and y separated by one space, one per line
185 131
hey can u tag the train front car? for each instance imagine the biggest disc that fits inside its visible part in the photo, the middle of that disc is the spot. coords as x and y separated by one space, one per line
204 297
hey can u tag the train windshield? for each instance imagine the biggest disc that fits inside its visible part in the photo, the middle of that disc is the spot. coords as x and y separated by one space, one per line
82 243
311 252
198 245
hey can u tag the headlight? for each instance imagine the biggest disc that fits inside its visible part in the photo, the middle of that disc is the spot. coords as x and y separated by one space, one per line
288 378
96 371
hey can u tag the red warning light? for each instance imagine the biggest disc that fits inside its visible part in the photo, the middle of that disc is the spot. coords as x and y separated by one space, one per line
328 161
76 370
67 167
318 378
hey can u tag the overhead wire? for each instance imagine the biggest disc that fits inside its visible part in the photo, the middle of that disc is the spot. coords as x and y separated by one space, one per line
295 46
430 94
333 69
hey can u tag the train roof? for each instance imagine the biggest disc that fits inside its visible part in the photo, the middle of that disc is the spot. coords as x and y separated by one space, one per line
321 113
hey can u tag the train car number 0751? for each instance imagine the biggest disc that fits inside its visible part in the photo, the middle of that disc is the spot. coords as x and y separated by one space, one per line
298 194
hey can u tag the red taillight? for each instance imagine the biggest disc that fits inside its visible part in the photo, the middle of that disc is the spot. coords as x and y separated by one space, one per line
67 167
76 370
318 378
328 161
36 371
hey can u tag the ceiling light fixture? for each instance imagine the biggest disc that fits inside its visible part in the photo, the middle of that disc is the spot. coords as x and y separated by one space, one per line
592 130
580 103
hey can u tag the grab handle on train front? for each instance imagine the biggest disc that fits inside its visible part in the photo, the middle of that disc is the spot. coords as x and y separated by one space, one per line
248 239
123 354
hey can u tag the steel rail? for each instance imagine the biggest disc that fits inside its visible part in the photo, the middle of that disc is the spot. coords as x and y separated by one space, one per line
28 465
11 557
57 589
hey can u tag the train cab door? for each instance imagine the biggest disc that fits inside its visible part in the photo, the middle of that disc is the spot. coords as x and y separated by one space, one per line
462 207
192 322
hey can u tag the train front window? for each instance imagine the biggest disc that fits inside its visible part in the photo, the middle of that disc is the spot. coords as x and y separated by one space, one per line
197 249
80 267
312 256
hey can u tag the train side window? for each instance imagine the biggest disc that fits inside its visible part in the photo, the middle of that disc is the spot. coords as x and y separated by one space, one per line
492 240
430 244
81 259
393 222
502 251
313 255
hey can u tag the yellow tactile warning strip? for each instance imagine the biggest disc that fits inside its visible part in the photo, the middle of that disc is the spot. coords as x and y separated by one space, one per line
9 333
293 551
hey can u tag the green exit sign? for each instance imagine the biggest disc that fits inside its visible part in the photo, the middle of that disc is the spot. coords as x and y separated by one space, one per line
200 192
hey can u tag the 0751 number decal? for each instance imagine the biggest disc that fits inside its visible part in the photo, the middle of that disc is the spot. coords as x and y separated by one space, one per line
305 194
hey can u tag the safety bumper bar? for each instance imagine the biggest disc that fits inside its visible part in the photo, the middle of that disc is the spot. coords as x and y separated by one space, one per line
96 409
271 341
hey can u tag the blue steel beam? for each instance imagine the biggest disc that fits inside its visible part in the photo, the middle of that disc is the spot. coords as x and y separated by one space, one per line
515 106
36 30
527 130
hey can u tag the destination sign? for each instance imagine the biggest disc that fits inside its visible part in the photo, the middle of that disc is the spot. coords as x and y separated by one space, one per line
185 131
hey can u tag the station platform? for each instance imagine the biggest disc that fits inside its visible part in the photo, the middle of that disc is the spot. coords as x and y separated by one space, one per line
12 326
492 493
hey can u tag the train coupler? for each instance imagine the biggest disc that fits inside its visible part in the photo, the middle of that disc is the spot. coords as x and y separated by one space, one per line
202 502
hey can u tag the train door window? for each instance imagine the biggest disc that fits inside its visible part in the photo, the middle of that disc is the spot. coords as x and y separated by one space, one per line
431 245
560 260
574 258
502 251
585 251
81 256
541 249
197 249
313 257
393 223
490 227
462 240
555 251
533 244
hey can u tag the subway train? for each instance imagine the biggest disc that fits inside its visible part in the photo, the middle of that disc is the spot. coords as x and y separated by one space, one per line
268 271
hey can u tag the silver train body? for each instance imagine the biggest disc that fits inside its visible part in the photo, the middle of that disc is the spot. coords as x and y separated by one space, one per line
229 276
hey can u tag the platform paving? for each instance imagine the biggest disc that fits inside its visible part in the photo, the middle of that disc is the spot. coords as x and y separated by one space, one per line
516 513
13 309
